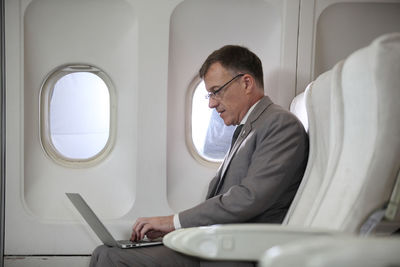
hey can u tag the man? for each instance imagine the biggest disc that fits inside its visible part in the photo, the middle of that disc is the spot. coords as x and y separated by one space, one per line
258 178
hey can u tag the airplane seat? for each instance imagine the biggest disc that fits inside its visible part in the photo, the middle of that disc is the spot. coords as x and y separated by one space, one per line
364 146
353 164
324 111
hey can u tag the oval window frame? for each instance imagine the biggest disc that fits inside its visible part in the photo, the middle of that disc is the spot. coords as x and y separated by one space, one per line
46 91
209 162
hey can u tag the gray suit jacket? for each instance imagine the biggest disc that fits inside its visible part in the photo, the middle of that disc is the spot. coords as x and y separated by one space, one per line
259 177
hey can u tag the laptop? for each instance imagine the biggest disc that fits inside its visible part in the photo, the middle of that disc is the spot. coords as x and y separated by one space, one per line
99 228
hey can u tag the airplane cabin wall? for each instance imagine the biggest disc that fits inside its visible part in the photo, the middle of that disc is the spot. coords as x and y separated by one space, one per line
151 51
330 30
113 36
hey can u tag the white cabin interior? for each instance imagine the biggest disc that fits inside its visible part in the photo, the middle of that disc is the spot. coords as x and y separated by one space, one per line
148 53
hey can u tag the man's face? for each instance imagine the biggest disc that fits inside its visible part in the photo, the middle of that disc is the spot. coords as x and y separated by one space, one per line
231 101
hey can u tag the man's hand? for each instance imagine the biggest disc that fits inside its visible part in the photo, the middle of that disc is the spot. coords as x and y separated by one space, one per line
153 227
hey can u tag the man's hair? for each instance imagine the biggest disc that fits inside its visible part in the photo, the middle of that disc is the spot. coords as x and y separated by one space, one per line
235 58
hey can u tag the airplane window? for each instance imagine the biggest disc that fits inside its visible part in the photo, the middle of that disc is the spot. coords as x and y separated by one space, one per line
211 137
76 123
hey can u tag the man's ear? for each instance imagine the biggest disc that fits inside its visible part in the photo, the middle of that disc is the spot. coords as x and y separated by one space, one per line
249 83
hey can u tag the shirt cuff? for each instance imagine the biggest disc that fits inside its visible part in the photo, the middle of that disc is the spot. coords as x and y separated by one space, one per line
177 223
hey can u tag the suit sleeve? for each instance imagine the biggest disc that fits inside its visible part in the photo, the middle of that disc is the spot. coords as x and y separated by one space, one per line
273 167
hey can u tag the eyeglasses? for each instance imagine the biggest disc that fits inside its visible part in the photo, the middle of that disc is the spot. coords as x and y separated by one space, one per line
213 95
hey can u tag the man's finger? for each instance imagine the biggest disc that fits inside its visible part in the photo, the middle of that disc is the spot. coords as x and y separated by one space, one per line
138 228
145 229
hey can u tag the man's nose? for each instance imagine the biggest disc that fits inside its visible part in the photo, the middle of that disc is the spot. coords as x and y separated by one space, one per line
212 103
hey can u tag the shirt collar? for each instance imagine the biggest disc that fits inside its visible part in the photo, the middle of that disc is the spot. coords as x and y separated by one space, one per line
248 112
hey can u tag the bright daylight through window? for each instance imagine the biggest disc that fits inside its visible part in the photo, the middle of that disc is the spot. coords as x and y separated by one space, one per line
211 137
79 115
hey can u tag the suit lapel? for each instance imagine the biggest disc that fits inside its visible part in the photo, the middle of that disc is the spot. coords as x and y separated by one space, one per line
261 106
214 182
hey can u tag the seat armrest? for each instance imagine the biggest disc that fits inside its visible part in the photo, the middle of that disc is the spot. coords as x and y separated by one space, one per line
242 242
